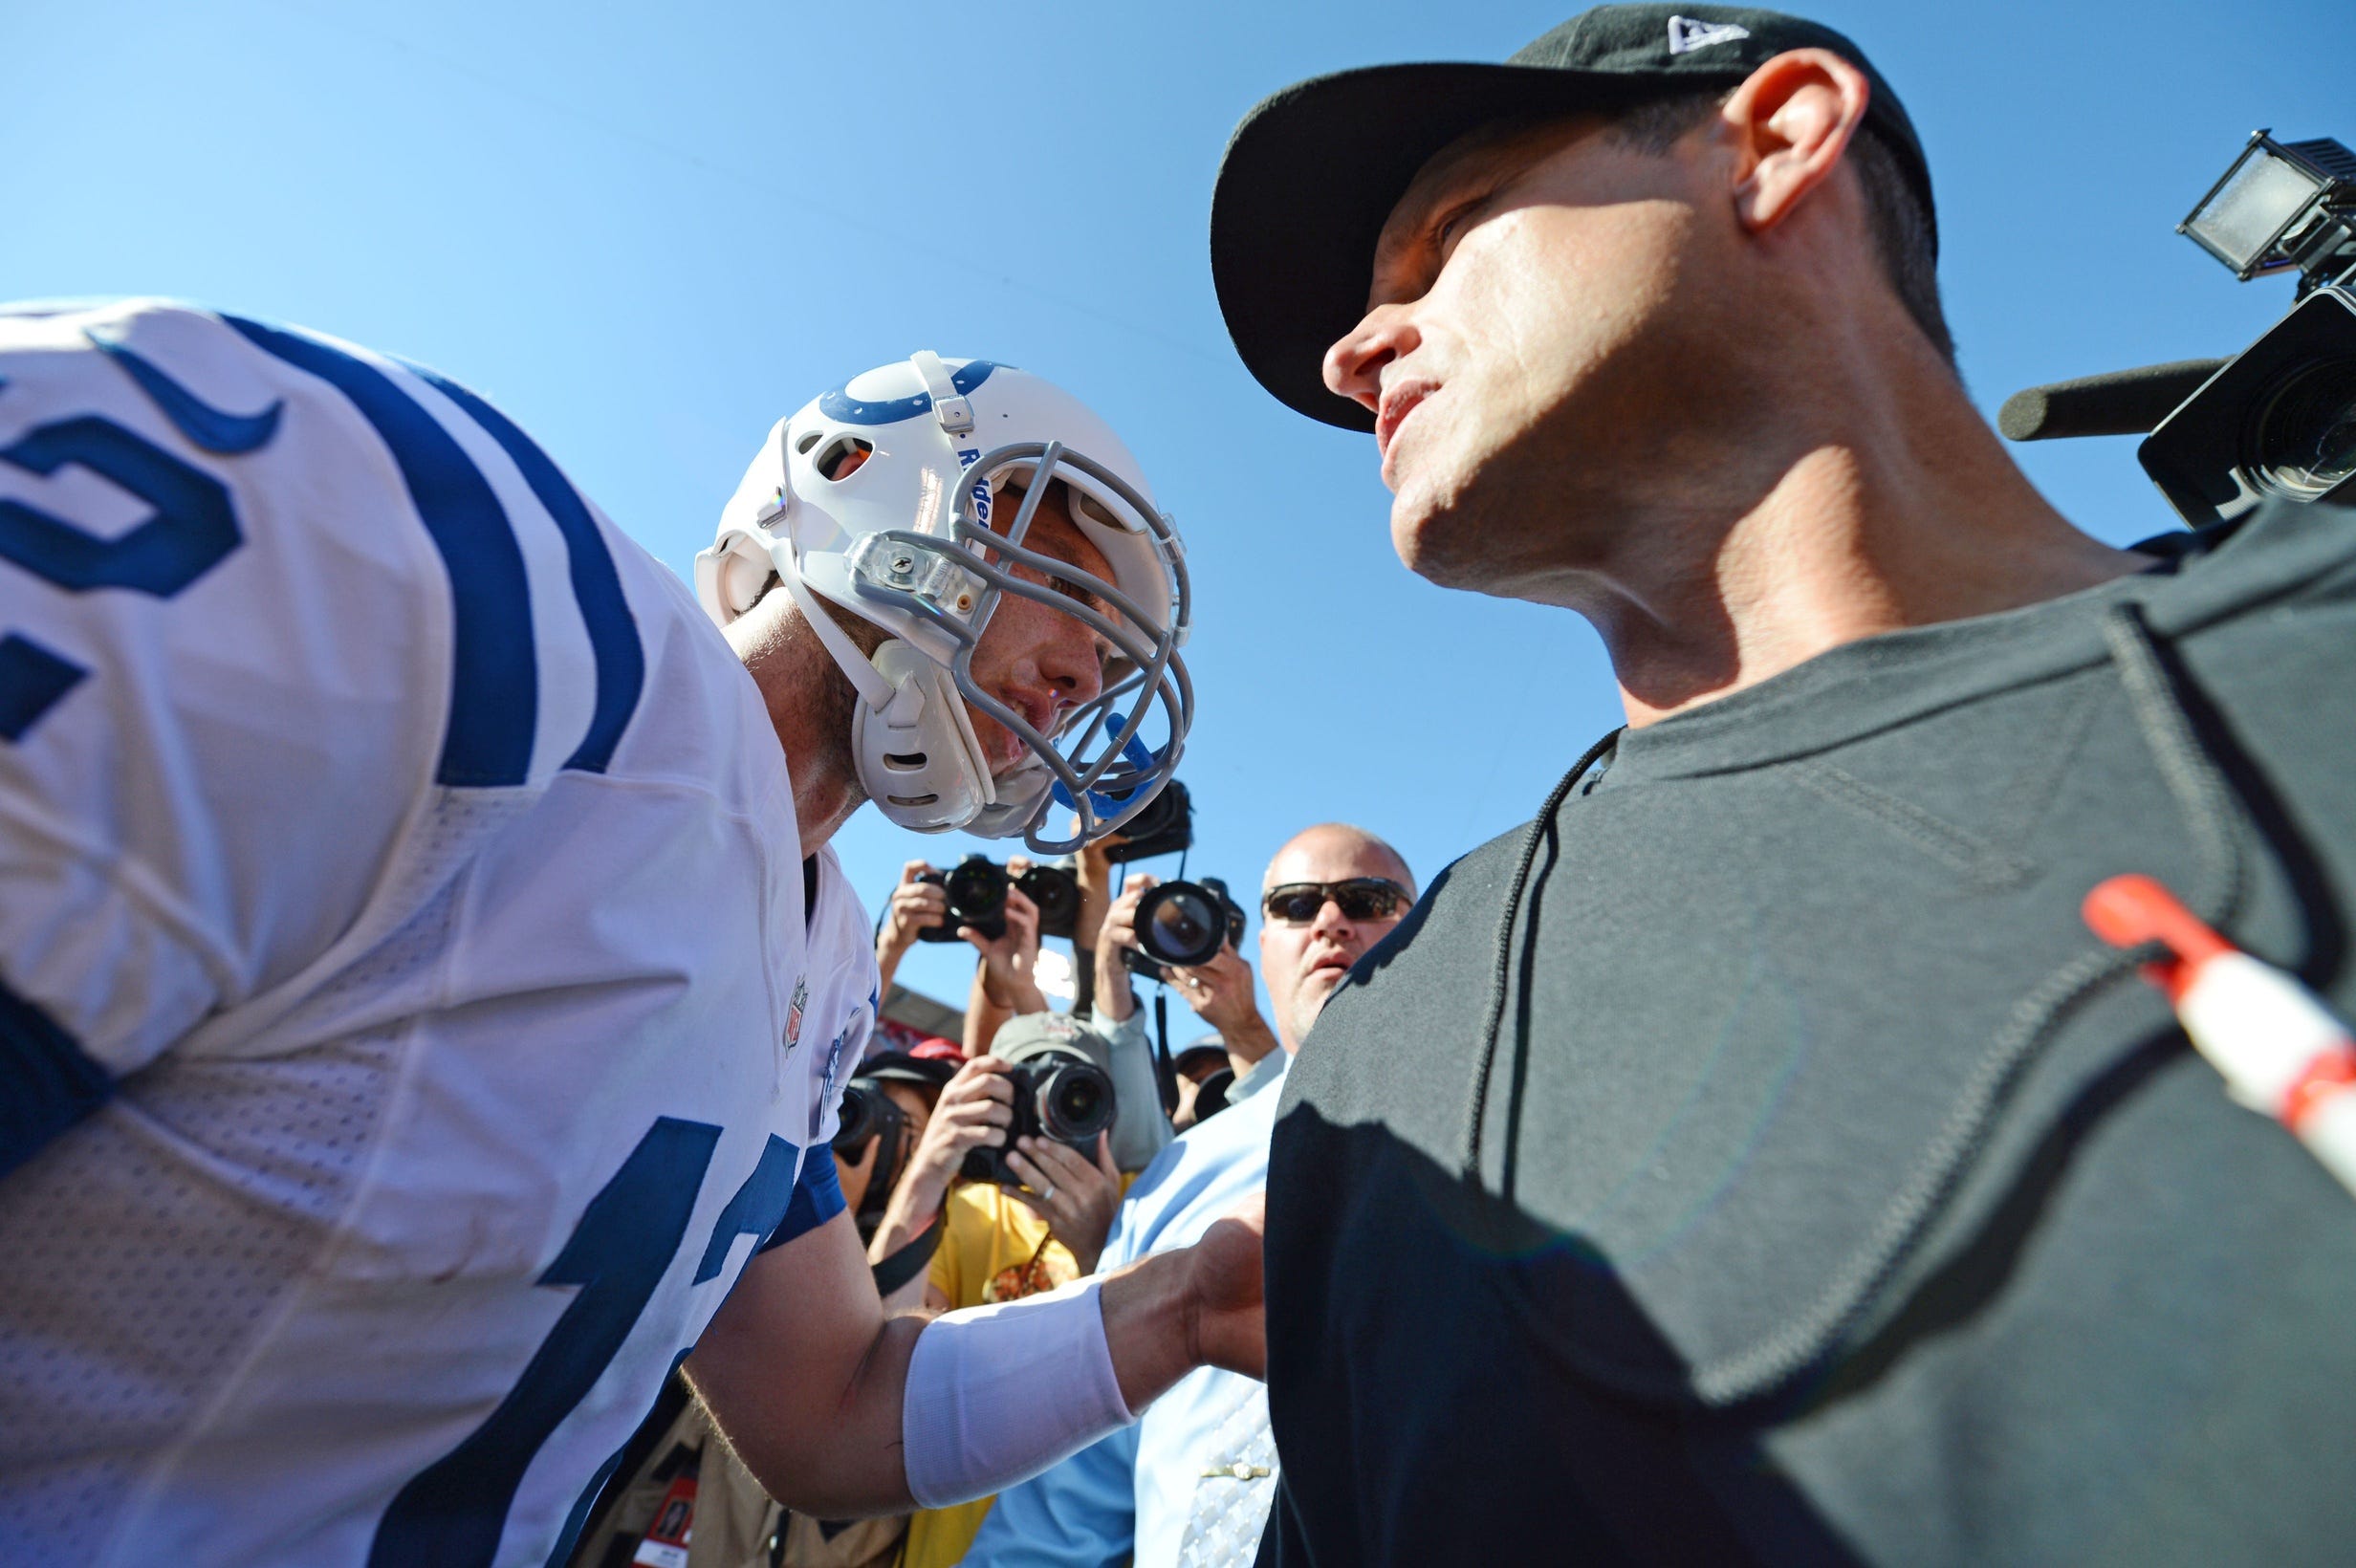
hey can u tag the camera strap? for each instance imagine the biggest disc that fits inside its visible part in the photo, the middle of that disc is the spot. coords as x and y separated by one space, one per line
912 1257
1165 1069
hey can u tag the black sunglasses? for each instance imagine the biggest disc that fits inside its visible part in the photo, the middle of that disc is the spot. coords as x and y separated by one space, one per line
1361 898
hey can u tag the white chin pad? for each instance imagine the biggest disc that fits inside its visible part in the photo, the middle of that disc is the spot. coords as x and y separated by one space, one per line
742 577
918 758
996 1394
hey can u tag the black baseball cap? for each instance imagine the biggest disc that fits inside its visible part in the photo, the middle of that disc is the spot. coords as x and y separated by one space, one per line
1208 1047
900 1067
1312 173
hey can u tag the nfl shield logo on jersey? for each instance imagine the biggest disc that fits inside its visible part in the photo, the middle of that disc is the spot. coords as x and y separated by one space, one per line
793 1012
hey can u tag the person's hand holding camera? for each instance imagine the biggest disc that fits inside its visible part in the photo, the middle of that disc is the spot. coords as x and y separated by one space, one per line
1221 994
1077 1196
976 1108
1099 884
1010 958
1114 998
915 907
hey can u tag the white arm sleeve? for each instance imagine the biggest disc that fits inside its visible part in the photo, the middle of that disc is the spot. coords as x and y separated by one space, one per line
996 1394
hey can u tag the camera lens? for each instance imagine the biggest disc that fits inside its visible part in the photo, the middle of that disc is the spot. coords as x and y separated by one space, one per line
977 889
1179 922
2305 437
1076 1103
1056 893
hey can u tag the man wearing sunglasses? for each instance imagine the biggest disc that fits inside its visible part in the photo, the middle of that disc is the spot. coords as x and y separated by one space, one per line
1192 1482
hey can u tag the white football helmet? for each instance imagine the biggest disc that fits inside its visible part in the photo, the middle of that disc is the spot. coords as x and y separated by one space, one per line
903 537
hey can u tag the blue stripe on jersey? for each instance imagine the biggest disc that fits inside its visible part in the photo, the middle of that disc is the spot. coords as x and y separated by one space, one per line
47 1081
613 631
758 1207
495 682
32 681
818 1197
215 430
561 1553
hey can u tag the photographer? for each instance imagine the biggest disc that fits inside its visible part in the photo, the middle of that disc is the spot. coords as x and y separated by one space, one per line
871 1158
1003 982
1071 1198
1755 1159
946 1241
991 1241
1206 1077
1192 1482
1219 991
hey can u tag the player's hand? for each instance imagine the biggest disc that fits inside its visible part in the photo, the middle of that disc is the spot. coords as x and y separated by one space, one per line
1009 959
915 907
1077 1196
1114 997
1227 1324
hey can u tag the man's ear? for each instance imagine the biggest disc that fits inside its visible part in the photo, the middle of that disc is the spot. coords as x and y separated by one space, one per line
1790 122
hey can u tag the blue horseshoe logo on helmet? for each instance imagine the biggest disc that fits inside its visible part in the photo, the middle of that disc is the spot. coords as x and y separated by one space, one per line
840 404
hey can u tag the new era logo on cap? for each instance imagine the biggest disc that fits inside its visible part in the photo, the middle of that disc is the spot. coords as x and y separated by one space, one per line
1685 34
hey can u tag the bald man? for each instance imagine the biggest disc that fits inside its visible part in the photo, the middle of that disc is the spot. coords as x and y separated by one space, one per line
1192 1481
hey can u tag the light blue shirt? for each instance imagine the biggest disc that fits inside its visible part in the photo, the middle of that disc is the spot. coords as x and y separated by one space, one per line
1131 1493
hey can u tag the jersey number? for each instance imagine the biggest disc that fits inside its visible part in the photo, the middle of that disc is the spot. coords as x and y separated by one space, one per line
194 526
452 1514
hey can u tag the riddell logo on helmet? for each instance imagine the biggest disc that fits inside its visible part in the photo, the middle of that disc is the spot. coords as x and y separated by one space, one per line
981 486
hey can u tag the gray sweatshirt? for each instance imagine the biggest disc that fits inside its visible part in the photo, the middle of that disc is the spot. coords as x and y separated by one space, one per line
1757 1159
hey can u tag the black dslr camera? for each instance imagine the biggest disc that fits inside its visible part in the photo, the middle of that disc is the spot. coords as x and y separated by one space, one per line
976 888
2280 418
1164 827
1059 1093
1056 890
1183 924
867 1114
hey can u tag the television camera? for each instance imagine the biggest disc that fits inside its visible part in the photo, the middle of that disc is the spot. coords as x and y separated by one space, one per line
2278 419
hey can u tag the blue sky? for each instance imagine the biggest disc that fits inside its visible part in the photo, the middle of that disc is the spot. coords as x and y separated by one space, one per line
648 232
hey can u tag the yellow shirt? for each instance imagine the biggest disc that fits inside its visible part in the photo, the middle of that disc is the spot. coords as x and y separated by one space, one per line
992 1248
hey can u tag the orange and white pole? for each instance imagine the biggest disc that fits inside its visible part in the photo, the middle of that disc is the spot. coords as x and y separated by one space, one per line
2281 1050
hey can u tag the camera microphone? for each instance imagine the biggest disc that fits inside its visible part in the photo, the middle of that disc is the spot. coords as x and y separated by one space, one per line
2278 419
2122 402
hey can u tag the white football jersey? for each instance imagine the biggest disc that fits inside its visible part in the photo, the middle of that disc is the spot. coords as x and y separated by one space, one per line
411 1013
